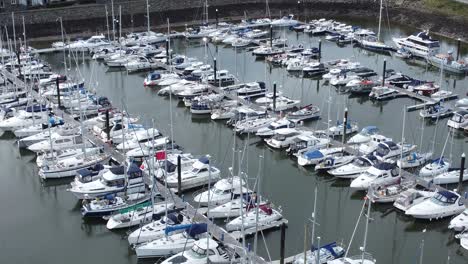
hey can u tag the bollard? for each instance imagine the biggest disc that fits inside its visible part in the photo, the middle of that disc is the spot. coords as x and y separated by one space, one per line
58 93
458 48
107 125
345 122
179 175
167 52
216 16
215 72
383 73
271 36
274 97
320 50
460 179
19 63
283 240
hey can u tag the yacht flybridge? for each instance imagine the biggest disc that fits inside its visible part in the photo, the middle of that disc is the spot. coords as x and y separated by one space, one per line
419 44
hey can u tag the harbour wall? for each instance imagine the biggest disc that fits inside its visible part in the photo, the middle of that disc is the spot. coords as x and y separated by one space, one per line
91 18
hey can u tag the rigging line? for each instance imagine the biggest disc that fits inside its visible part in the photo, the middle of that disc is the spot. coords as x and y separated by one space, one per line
355 228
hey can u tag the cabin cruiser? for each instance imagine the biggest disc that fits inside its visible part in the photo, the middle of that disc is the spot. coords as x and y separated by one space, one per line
419 44
23 119
222 192
200 174
250 90
343 79
156 228
354 169
460 222
361 87
60 142
334 161
252 125
283 104
278 124
138 138
448 63
146 149
54 156
198 254
436 167
46 134
264 51
414 159
156 78
436 111
351 127
389 149
312 157
379 174
306 142
458 120
92 42
268 98
266 216
372 145
285 21
424 88
112 181
285 136
364 136
174 239
442 204
223 78
462 103
53 122
450 177
383 93
67 167
308 112
167 164
326 253
110 203
411 197
137 215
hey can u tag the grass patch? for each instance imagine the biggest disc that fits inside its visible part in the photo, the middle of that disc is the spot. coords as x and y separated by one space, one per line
448 7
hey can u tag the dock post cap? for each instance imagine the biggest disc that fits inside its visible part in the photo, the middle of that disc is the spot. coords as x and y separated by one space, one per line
463 155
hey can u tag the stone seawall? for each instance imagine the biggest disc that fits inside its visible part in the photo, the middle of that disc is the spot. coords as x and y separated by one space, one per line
91 18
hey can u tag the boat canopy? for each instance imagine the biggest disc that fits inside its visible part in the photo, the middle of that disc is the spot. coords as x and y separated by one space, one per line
36 108
439 161
385 166
449 195
192 229
330 248
370 130
266 209
314 154
89 171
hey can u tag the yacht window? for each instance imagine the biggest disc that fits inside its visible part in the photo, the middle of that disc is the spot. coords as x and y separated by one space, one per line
442 200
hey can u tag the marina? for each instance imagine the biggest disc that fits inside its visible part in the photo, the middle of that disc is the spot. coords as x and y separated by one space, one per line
286 185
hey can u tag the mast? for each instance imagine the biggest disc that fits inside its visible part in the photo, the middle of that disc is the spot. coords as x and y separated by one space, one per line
380 20
170 94
147 16
113 21
24 35
120 23
207 212
366 230
14 30
107 23
402 138
258 201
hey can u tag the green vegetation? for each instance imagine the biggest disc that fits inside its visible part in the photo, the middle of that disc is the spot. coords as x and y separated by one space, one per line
448 7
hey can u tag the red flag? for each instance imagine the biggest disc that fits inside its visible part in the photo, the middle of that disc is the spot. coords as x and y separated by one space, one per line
160 155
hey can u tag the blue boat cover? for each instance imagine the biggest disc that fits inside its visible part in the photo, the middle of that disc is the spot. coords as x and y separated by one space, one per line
439 161
385 166
314 154
370 129
330 248
36 108
204 160
448 194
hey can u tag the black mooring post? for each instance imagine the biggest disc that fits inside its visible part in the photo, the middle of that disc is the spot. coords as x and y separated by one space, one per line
274 97
460 179
384 72
107 125
167 52
320 50
283 242
345 123
19 63
215 72
458 48
58 92
216 16
271 36
179 175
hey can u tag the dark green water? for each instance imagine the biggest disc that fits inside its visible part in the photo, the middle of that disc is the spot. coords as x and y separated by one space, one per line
41 222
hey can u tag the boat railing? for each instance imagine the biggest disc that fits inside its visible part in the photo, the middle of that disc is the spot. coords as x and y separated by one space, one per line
365 255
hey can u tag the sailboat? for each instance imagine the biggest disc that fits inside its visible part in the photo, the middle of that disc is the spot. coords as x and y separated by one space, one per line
374 43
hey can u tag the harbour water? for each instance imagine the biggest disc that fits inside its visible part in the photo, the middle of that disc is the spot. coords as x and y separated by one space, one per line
41 222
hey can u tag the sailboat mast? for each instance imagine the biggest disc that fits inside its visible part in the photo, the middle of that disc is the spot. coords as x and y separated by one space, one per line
366 230
258 201
113 21
147 16
402 138
14 30
107 23
380 20
170 94
24 36
64 48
